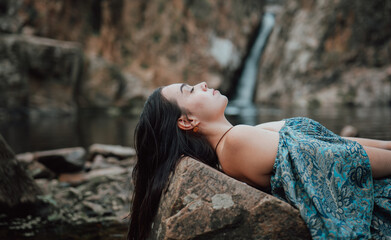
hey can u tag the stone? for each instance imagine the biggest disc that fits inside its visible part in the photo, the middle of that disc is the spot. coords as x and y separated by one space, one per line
105 86
62 160
119 152
9 21
93 204
38 170
39 73
349 131
329 53
105 172
17 189
74 179
96 208
203 203
25 157
99 162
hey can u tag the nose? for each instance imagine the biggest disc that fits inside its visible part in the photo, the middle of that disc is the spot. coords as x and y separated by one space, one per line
204 86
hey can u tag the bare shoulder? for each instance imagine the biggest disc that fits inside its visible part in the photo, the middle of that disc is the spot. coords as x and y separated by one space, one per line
239 135
247 136
249 153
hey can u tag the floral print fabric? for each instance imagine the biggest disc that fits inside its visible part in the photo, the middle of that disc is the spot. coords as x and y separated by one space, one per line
329 179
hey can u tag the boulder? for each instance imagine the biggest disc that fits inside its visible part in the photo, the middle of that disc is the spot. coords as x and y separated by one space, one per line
104 85
38 170
105 150
39 73
10 22
17 188
62 160
203 203
26 158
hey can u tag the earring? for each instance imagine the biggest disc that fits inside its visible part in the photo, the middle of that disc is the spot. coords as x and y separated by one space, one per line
195 129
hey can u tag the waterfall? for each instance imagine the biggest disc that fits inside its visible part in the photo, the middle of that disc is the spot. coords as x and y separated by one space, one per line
247 82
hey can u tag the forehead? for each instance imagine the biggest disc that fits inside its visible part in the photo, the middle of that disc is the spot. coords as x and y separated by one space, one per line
172 91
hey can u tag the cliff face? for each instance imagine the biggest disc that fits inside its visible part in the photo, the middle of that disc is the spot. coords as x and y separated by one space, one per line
139 45
319 53
327 53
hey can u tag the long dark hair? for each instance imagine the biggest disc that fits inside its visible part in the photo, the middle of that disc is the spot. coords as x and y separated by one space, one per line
160 144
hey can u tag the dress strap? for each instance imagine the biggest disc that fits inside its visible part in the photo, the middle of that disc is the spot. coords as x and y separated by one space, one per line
222 137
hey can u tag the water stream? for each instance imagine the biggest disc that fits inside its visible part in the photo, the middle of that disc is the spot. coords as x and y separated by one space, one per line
242 104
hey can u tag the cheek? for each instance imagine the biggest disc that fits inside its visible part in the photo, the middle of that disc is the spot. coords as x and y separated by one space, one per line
197 106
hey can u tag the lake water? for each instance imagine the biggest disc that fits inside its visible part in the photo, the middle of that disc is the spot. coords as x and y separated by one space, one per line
88 127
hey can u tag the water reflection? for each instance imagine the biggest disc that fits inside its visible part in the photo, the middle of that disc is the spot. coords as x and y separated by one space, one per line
88 127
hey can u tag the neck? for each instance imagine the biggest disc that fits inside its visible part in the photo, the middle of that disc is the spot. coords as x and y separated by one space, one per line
214 130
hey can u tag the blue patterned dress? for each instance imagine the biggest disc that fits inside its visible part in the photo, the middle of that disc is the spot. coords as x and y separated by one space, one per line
329 179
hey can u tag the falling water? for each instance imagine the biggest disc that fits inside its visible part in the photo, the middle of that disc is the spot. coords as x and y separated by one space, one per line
242 103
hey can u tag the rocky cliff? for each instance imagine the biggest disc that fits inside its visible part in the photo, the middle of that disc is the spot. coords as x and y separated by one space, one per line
131 47
327 53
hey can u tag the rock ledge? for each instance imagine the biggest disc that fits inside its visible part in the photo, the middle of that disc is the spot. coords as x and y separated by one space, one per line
203 203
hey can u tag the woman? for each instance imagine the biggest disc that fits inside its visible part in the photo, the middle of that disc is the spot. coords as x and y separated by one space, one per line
328 178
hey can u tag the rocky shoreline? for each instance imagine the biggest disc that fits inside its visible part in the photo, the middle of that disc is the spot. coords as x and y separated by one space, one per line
86 194
88 197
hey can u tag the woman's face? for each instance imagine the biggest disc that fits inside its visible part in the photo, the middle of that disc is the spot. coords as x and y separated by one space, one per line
202 102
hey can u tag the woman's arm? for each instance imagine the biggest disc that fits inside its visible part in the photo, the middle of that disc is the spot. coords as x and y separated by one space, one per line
372 142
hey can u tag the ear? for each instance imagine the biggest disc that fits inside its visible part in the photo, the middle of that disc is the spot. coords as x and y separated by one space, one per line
187 122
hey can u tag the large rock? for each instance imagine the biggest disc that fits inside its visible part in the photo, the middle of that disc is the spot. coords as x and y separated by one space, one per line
18 191
62 160
39 73
202 203
9 21
105 85
328 53
157 41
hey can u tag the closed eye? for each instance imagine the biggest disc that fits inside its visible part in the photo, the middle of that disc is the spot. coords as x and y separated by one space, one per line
192 89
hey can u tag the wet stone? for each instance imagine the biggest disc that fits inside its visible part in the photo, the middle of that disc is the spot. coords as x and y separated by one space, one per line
119 152
38 170
62 160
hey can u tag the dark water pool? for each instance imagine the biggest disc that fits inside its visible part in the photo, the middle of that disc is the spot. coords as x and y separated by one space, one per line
36 133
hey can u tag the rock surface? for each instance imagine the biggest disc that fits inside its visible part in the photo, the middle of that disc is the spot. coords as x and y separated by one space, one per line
328 53
39 73
130 47
202 203
111 150
62 160
92 203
